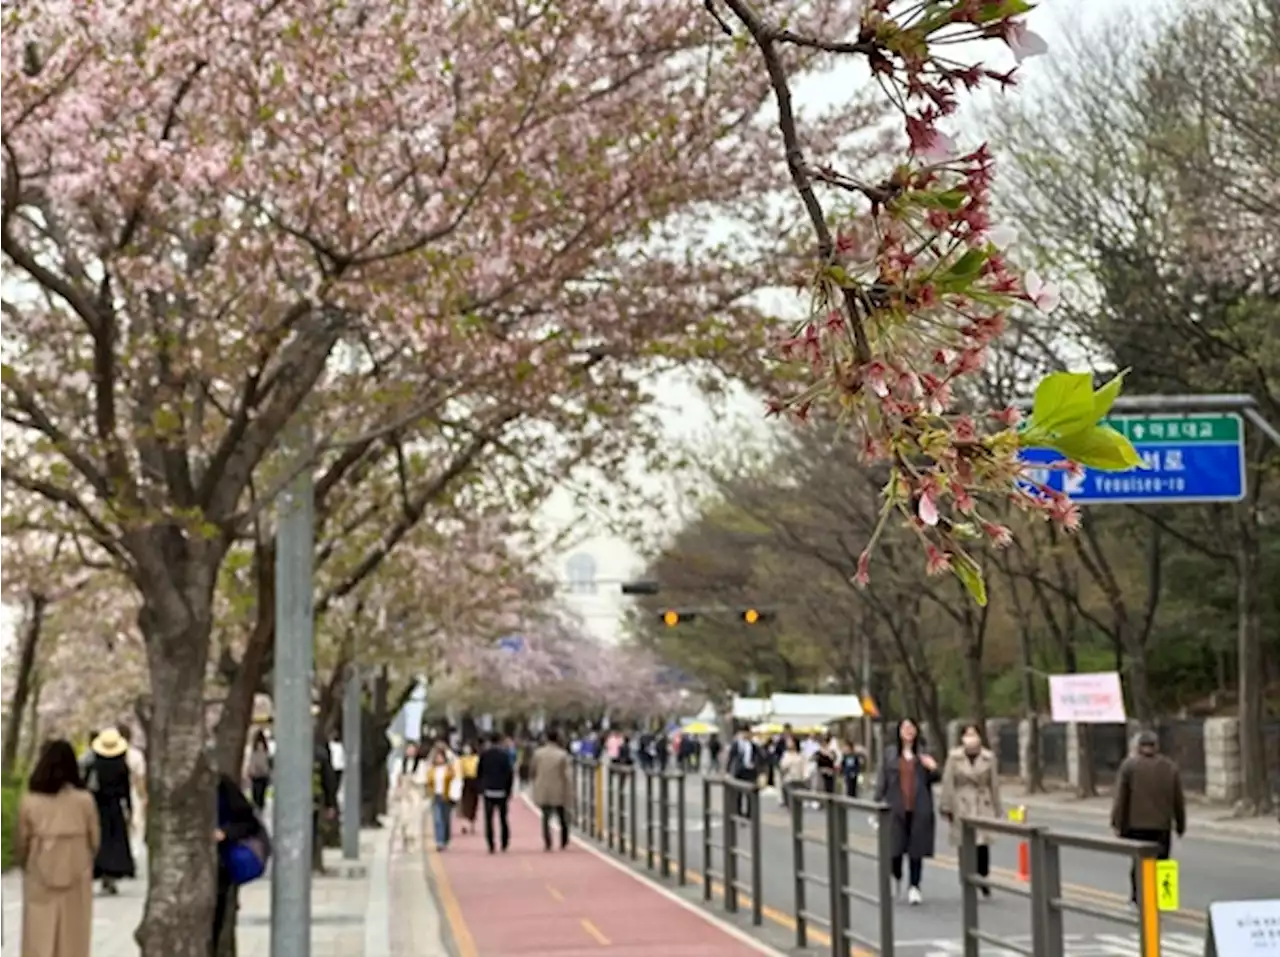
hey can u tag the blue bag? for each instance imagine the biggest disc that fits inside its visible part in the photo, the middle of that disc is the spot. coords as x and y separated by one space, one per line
245 860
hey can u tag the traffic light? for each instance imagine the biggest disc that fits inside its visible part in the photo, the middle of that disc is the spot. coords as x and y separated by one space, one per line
671 617
755 616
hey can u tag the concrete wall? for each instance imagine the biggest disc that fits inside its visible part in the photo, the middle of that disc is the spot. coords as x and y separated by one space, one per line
1222 759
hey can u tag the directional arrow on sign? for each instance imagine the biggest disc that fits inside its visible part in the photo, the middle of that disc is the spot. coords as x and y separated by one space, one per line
1073 483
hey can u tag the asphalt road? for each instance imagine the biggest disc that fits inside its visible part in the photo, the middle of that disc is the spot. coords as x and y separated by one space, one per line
1211 867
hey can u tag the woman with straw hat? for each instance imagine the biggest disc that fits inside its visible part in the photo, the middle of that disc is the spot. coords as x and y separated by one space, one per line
107 775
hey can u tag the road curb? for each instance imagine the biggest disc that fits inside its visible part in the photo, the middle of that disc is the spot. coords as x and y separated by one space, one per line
1234 827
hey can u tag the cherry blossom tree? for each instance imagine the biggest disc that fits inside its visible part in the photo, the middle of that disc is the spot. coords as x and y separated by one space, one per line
221 218
911 284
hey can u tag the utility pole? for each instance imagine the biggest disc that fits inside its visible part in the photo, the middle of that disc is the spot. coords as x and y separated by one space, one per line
351 741
291 698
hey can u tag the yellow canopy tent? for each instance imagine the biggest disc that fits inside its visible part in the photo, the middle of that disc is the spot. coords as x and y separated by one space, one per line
698 727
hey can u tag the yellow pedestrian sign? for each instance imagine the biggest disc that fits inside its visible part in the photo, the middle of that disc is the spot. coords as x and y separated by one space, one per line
1167 885
1018 815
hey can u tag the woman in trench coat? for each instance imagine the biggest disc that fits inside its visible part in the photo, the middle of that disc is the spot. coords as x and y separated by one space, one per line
905 782
56 842
971 788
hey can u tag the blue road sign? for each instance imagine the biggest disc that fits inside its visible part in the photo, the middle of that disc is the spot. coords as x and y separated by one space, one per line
1190 458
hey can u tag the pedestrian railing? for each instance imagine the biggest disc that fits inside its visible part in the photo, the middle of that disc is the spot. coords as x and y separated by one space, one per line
666 823
739 810
621 822
1044 889
836 849
587 788
608 810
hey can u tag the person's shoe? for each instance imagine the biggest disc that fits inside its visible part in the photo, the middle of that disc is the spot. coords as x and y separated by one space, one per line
986 891
914 896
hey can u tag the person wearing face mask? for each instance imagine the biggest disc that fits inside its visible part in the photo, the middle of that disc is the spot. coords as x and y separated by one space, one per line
905 782
971 788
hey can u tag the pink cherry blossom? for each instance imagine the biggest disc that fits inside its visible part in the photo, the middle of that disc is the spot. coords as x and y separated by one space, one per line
1024 42
1043 295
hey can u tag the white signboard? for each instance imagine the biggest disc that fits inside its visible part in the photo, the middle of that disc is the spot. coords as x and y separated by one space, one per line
1087 699
1245 928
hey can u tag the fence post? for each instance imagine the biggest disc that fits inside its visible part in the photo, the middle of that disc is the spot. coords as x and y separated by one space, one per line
1148 909
757 868
797 859
664 825
969 893
681 828
884 844
730 849
633 822
610 825
841 908
648 819
706 838
1047 873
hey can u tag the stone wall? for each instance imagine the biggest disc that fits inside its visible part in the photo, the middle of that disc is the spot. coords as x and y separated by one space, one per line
1222 759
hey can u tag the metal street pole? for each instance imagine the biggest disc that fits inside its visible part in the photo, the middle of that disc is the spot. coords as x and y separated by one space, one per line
291 699
351 776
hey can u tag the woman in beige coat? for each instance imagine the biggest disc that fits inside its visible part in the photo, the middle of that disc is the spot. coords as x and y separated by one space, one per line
56 843
971 788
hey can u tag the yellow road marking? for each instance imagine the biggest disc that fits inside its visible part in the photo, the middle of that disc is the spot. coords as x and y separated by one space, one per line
452 911
555 894
594 932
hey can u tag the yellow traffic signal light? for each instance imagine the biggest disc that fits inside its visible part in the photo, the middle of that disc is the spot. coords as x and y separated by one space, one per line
751 616
671 618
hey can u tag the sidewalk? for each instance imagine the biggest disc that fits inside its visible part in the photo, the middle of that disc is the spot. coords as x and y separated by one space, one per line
351 916
1201 817
531 903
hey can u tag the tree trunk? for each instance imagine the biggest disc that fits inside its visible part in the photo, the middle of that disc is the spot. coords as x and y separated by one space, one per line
176 577
35 732
22 684
976 683
1255 786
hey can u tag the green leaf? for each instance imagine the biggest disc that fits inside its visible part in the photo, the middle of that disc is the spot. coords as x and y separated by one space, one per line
952 199
1099 447
1000 11
1105 397
1063 404
970 576
968 265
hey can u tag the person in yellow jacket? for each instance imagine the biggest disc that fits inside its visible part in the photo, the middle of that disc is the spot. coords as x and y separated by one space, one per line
469 764
444 787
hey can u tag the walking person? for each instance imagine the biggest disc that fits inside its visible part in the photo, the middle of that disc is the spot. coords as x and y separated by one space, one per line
243 849
469 765
408 786
1149 804
552 772
495 777
744 766
56 843
791 768
971 788
852 763
258 769
108 779
905 783
137 764
444 785
826 760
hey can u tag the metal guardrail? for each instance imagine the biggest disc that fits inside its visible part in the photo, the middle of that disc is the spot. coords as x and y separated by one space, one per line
838 849
1044 889
608 811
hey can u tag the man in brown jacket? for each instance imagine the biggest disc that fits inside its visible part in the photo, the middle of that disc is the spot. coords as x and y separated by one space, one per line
1148 803
552 771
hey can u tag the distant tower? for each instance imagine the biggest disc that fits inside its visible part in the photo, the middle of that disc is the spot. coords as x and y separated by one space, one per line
580 570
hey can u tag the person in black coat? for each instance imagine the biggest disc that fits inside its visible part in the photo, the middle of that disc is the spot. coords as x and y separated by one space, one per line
494 779
237 821
905 782
744 766
106 774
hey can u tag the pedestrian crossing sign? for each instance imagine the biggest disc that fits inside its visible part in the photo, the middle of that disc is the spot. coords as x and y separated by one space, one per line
1167 885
